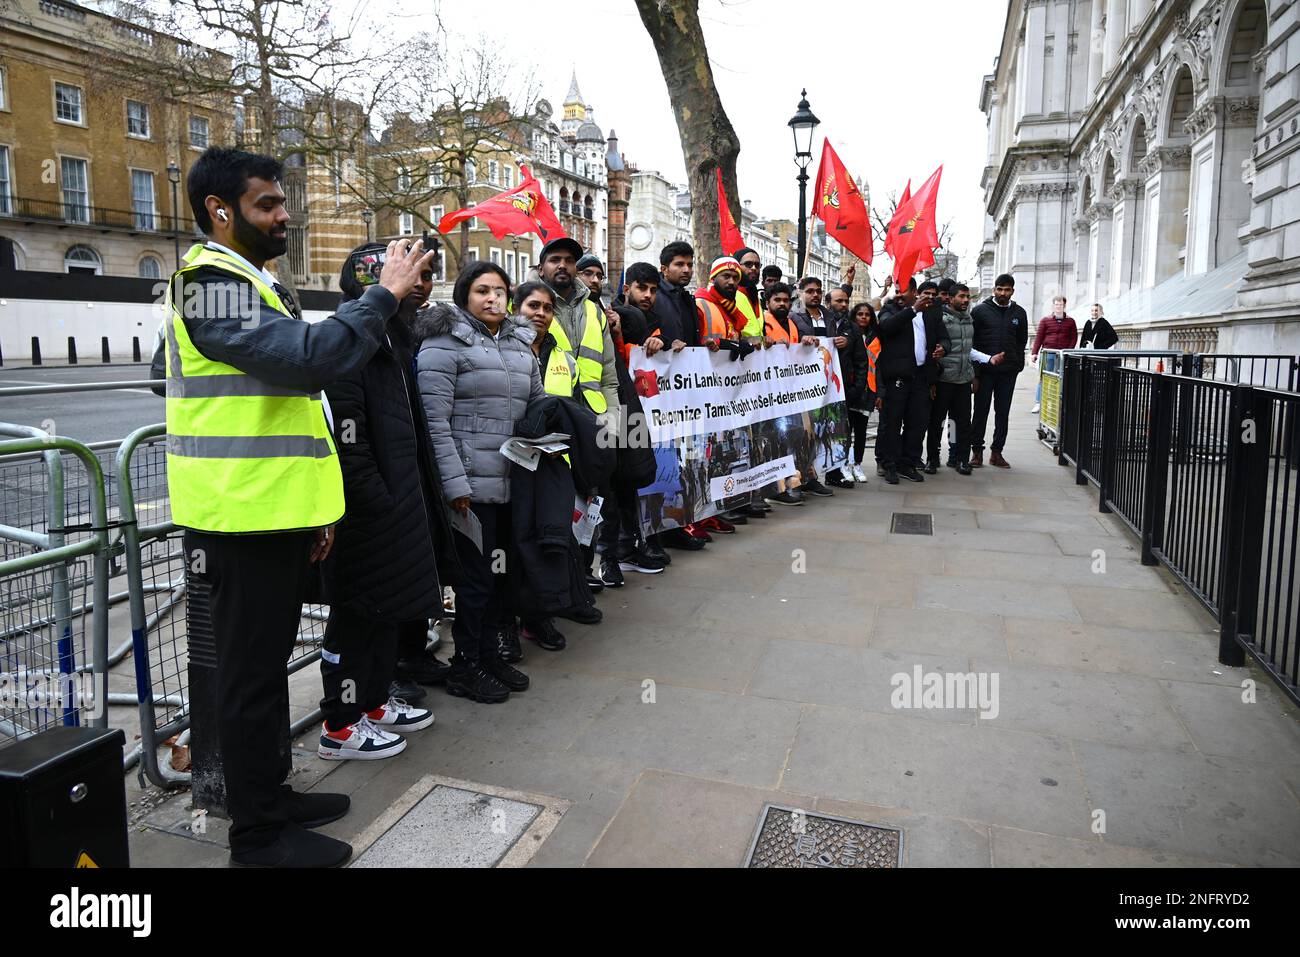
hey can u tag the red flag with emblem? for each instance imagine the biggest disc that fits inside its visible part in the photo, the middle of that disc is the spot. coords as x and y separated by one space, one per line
731 238
839 204
914 231
889 233
514 212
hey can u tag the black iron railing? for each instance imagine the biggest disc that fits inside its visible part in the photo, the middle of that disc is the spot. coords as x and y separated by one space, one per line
1207 473
75 214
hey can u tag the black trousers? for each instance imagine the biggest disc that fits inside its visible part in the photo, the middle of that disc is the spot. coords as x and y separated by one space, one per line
903 420
257 584
482 597
413 637
858 422
356 665
951 399
996 389
620 522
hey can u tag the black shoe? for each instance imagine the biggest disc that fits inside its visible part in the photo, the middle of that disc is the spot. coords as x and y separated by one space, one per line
508 644
545 635
952 463
610 573
839 481
638 561
594 583
735 517
754 510
891 475
788 497
512 678
582 614
424 669
931 468
815 487
677 538
313 808
962 468
880 469
652 549
910 473
468 679
295 847
409 691
763 505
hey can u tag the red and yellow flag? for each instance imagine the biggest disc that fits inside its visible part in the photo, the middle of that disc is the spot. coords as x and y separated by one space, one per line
731 238
839 204
514 212
914 232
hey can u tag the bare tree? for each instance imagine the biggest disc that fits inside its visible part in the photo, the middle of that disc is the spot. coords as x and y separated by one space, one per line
880 221
438 137
708 139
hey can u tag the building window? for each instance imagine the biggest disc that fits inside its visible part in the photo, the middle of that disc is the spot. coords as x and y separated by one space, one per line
440 264
523 266
510 176
494 169
494 255
150 268
142 204
4 93
435 178
406 224
510 267
473 223
137 119
471 171
6 182
435 215
403 180
82 260
199 132
76 190
67 103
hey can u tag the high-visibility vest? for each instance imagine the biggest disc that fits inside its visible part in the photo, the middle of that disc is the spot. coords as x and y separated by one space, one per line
560 377
753 327
713 321
589 356
242 455
780 331
873 353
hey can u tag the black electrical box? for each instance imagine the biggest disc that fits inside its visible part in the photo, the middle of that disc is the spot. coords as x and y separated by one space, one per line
63 800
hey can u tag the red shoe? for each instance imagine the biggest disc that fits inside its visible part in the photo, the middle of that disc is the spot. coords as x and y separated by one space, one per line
695 531
715 524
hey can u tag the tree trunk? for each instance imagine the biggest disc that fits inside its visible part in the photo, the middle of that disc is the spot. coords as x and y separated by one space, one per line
708 138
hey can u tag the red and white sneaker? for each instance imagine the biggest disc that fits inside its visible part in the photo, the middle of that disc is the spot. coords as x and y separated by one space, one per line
359 742
399 716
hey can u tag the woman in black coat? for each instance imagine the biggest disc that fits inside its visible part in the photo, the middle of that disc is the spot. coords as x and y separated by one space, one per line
382 577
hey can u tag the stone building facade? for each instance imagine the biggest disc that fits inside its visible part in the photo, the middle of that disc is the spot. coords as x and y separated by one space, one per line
1146 156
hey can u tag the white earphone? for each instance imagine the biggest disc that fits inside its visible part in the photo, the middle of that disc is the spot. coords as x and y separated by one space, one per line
221 214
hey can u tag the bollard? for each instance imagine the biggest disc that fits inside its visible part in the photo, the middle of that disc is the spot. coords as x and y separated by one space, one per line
36 351
135 349
72 350
103 349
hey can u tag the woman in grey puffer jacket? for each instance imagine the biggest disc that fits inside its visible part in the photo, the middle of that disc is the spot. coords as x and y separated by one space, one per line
477 374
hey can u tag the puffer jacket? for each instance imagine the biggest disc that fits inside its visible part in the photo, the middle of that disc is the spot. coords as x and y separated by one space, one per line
956 364
474 388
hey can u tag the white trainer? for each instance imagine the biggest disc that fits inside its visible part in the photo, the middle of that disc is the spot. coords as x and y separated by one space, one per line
359 742
399 716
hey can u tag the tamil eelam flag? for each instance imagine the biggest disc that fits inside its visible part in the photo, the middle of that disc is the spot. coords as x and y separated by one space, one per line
914 231
731 238
839 204
514 212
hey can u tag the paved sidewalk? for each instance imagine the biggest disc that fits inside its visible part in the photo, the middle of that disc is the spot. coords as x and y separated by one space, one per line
775 686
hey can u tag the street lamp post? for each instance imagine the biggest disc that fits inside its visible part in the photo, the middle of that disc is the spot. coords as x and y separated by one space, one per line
367 215
174 177
514 241
802 125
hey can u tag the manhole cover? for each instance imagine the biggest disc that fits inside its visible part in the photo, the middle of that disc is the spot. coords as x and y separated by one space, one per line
790 837
907 523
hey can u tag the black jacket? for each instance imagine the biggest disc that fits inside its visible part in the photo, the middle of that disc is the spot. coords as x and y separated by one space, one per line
1101 334
853 360
634 465
897 359
396 533
1001 329
674 315
591 465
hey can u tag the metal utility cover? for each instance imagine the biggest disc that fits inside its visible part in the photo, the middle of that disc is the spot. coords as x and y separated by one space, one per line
790 837
909 523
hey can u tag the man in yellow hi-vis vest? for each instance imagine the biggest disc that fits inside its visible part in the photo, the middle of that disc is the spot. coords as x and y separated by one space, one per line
253 477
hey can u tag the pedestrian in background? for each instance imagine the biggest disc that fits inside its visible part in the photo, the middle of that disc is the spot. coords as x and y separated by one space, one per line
1057 331
1000 326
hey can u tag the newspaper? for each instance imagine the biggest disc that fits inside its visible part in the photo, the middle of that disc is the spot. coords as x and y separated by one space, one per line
527 452
586 516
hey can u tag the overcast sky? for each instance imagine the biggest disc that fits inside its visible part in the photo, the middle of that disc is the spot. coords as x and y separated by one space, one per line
896 86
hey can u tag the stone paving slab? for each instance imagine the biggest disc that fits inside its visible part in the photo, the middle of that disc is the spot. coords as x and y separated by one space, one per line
735 680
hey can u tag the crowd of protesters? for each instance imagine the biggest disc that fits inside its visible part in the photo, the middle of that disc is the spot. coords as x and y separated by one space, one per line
359 461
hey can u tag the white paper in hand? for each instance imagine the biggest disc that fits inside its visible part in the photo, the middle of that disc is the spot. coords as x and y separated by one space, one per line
586 516
467 524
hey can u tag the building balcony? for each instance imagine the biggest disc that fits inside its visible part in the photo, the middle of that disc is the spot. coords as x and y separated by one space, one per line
45 211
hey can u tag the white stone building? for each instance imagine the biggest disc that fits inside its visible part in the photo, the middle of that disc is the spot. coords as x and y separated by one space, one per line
653 220
1144 155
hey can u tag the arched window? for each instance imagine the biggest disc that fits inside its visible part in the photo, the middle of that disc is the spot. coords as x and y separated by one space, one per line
588 208
150 268
1168 186
83 260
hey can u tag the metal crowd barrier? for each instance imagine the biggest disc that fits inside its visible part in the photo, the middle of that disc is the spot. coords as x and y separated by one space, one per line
1206 472
65 534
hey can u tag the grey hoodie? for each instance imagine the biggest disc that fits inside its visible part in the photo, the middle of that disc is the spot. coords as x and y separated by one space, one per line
474 388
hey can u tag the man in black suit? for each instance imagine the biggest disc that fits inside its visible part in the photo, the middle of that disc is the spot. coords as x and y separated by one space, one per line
913 338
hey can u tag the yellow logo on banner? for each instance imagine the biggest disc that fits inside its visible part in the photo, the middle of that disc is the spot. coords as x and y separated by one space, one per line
84 861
